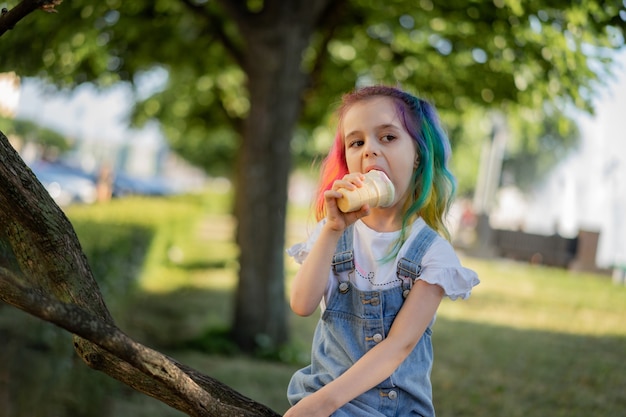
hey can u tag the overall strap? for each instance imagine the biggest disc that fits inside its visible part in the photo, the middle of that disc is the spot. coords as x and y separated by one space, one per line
410 266
343 259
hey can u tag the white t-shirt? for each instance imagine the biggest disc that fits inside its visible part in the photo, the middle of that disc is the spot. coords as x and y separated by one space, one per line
440 264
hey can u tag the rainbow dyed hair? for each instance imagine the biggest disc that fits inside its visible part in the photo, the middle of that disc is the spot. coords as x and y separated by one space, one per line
433 184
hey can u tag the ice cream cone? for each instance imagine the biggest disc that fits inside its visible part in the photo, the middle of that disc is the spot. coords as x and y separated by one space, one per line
377 191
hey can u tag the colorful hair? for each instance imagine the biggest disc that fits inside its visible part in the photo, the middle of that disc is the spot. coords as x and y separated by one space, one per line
433 184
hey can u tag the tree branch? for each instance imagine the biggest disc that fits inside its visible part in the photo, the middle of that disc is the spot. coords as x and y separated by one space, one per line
76 320
44 272
217 29
199 402
329 20
237 10
9 18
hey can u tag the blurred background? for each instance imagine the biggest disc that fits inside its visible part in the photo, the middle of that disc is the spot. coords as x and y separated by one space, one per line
581 191
146 123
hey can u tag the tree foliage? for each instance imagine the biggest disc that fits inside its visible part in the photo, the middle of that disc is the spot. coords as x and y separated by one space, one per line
531 61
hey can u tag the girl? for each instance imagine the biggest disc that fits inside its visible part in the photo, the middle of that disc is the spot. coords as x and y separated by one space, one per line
379 274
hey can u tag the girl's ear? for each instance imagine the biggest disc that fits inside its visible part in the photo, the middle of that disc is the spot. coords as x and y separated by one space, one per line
417 161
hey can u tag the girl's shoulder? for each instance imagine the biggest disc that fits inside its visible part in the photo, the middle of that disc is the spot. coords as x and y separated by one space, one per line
439 246
442 266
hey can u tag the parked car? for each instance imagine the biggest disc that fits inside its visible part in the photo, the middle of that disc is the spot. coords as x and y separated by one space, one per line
66 185
124 185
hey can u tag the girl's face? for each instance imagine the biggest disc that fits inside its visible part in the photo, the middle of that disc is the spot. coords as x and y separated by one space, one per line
375 138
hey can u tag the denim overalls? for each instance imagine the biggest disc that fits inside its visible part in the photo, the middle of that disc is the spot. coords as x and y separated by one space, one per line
355 321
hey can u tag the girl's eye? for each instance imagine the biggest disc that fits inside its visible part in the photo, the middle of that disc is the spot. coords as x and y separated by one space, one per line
387 138
356 143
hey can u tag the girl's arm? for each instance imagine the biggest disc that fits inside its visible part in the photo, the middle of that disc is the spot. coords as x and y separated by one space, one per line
310 282
379 362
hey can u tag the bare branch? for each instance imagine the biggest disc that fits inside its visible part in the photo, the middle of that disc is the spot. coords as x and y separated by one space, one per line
9 18
76 320
150 362
44 272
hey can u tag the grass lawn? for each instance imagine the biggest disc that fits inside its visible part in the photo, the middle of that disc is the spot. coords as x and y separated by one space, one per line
531 341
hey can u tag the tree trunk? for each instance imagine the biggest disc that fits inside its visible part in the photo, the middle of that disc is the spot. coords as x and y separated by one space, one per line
275 44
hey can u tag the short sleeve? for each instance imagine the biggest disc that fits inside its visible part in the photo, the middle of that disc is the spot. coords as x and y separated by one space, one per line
299 251
441 266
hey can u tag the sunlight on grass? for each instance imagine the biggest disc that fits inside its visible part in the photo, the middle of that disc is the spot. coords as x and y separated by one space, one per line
535 297
191 235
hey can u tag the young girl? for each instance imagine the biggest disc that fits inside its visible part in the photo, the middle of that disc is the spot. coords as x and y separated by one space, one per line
379 274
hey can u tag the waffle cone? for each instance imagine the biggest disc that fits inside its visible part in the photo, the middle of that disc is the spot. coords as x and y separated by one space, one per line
377 191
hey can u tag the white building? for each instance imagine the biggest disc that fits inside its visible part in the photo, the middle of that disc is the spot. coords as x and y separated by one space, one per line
587 191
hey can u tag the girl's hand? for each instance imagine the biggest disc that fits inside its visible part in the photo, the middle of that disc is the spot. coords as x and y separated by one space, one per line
308 407
335 218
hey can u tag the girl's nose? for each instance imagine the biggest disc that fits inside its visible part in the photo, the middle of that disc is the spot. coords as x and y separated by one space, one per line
370 148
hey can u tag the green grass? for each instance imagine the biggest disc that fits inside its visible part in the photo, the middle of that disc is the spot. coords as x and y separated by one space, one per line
525 296
530 341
